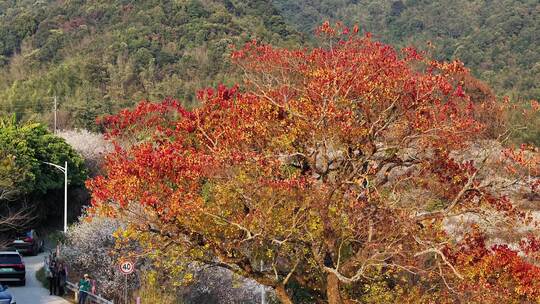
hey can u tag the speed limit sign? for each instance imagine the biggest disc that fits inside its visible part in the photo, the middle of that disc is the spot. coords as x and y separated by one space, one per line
127 267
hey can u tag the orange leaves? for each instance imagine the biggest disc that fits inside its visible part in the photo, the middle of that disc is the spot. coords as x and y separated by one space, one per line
498 273
344 148
326 28
459 92
449 68
146 118
365 81
525 158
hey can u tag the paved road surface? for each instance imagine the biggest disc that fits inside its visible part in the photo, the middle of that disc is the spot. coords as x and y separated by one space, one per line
33 292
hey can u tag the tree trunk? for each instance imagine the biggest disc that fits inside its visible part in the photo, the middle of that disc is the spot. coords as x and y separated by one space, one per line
282 295
332 289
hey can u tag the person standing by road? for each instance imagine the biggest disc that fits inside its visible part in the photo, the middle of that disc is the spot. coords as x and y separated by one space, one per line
62 278
84 288
52 276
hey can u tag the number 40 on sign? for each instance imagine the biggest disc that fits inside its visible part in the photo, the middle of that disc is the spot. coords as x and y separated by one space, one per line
127 267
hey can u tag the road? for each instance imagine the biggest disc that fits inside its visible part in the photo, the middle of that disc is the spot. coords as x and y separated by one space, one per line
33 292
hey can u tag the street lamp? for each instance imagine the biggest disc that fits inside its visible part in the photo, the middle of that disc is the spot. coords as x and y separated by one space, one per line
65 171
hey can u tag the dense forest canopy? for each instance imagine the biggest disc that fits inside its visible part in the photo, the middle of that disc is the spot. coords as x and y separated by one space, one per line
498 40
101 56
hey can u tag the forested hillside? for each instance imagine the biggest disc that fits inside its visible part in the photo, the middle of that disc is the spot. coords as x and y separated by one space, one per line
237 154
101 56
499 40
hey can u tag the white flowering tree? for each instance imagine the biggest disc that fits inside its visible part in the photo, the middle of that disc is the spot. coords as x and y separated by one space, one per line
90 248
220 286
92 147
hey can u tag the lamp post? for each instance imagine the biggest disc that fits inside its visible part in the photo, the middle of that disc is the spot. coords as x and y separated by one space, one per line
65 171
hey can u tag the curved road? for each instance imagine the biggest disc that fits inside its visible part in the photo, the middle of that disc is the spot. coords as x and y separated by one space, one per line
33 292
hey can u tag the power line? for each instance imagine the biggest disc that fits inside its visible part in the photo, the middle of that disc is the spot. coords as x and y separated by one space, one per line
29 106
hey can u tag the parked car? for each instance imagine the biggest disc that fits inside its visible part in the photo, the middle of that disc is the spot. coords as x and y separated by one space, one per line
12 267
5 296
29 242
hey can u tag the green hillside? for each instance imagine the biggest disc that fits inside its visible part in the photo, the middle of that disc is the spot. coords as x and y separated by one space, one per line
499 40
100 56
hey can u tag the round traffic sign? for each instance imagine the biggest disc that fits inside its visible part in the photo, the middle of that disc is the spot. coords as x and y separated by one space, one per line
127 267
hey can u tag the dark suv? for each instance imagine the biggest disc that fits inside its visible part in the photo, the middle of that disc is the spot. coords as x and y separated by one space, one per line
12 267
28 242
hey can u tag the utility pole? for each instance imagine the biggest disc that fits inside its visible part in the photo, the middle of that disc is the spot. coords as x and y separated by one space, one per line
65 196
55 108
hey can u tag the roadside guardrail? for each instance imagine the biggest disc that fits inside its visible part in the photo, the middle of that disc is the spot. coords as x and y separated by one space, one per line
91 297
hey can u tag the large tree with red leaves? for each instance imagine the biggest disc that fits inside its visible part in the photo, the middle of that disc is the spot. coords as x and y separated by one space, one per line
333 166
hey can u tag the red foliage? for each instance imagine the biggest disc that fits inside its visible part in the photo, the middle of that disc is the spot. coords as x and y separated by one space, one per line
498 273
295 167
